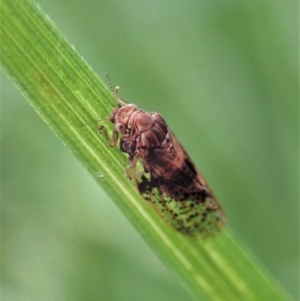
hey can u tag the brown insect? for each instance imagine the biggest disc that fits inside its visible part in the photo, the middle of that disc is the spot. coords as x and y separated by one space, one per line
163 172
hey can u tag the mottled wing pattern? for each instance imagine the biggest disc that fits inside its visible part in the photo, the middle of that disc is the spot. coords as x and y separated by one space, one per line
183 198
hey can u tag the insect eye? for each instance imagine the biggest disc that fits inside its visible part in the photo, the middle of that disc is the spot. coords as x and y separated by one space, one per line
113 114
120 128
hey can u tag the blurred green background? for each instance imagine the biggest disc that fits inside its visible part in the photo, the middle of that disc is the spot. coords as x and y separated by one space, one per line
224 74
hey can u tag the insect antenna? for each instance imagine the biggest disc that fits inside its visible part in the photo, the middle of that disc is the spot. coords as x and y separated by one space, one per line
115 92
109 82
88 123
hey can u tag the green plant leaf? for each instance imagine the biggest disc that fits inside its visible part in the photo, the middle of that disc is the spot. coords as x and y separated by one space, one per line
66 93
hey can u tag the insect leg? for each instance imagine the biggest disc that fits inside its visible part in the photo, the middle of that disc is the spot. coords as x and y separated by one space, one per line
113 140
131 169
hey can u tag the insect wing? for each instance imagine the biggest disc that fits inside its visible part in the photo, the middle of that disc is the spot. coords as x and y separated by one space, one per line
190 217
183 199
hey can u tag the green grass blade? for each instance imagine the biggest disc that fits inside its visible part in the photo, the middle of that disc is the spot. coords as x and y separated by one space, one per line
66 94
